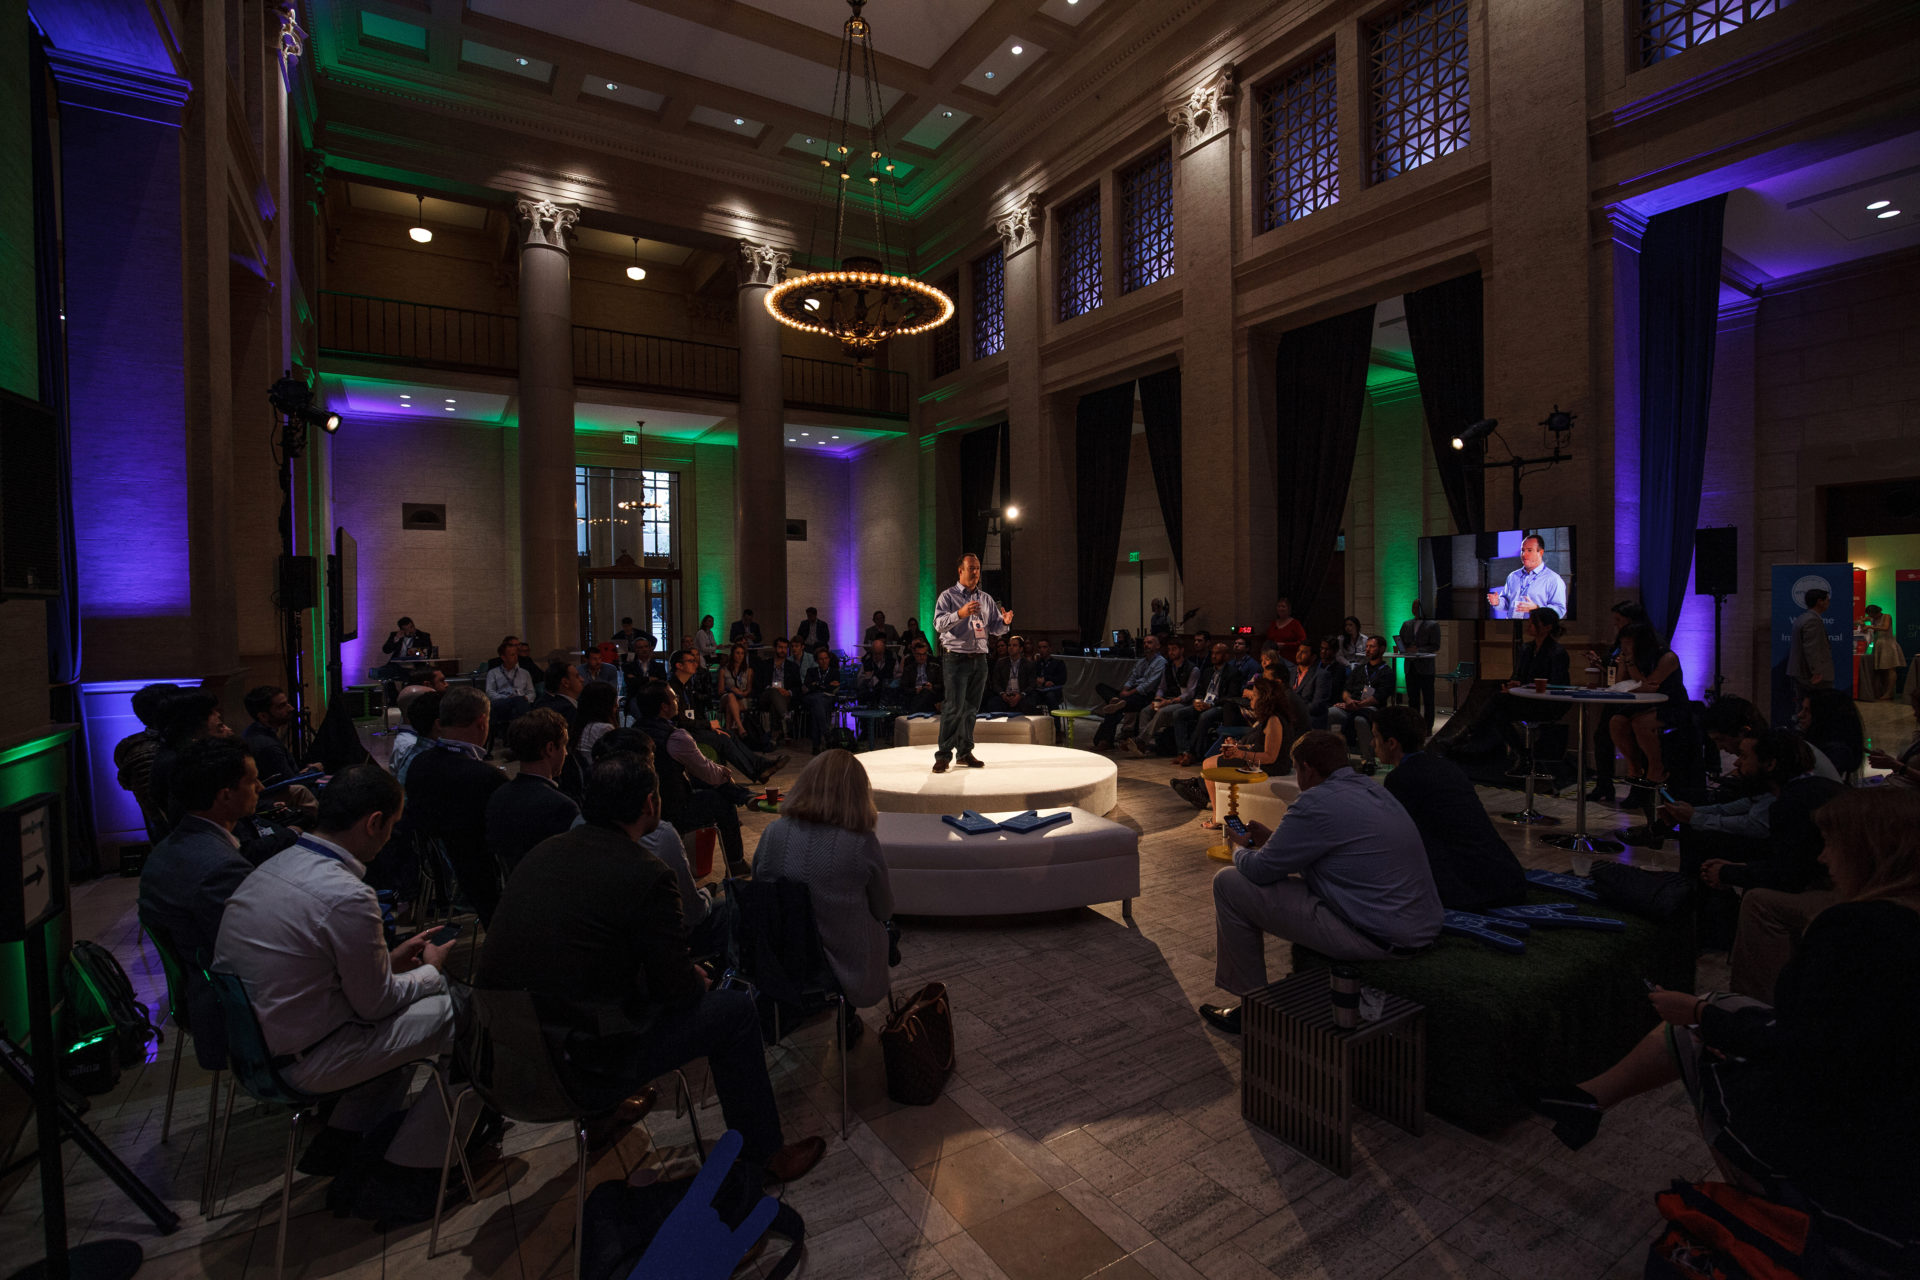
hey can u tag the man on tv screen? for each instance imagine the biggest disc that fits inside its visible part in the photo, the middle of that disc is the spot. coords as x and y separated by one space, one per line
1533 585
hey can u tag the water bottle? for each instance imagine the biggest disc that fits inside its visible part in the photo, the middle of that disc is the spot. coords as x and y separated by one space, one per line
1346 996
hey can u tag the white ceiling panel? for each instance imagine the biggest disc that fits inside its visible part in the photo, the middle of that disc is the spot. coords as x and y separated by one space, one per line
476 54
916 31
1071 12
726 122
687 47
935 128
1003 66
613 90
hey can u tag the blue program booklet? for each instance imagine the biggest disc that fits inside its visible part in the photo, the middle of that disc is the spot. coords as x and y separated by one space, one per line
1032 820
970 823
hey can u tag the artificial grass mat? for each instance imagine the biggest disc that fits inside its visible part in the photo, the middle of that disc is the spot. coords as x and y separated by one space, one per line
1501 1026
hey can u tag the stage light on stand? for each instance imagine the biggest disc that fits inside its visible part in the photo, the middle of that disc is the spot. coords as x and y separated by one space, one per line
1013 513
1478 431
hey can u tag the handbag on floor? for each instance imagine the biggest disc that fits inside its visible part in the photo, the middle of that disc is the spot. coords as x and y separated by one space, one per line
1716 1231
917 1043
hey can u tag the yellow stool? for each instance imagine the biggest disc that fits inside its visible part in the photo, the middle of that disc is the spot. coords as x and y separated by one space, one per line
1233 778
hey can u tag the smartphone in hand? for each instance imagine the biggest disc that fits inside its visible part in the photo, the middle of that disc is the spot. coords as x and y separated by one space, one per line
1236 828
441 936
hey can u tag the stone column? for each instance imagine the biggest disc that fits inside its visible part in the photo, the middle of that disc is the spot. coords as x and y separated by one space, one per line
1041 479
550 583
760 470
1217 575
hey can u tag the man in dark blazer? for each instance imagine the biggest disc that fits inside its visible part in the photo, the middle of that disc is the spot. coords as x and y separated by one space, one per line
1473 868
448 786
187 879
778 681
707 731
1049 676
404 645
1010 680
1324 683
813 633
920 683
744 629
532 806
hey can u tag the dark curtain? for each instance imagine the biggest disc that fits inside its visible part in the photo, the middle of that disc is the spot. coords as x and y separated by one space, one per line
63 612
1102 439
1320 388
1679 319
1449 357
1160 411
980 453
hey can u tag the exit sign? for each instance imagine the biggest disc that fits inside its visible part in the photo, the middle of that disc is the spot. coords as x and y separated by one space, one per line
631 437
1133 557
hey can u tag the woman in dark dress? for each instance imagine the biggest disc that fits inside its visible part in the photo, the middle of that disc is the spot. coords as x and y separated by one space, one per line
1813 1101
1645 658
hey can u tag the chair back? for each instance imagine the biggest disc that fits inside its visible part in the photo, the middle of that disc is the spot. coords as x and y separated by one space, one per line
172 967
1465 671
247 1051
509 1061
775 945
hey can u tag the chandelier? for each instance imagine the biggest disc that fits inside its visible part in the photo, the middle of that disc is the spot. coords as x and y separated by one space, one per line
865 301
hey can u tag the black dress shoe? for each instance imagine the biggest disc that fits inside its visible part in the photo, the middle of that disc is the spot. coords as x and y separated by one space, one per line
1575 1114
1222 1017
973 762
939 766
1601 794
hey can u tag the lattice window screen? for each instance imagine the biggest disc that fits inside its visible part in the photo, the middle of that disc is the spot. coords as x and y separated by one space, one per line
1079 223
1146 221
946 339
1300 143
1419 86
989 304
1669 26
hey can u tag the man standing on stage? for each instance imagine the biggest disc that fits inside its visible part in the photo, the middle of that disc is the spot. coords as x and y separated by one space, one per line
964 617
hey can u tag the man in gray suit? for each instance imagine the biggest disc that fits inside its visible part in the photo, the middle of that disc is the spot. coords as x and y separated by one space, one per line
187 879
1810 657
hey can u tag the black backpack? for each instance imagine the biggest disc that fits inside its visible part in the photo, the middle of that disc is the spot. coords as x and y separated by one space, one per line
100 1004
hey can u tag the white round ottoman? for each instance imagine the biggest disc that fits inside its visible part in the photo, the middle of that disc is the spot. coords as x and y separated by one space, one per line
1016 776
937 870
1263 802
909 732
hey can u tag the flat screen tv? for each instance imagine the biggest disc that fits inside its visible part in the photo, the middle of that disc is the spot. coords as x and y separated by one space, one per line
1504 574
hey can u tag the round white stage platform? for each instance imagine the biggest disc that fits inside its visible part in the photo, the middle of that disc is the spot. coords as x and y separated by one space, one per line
1017 776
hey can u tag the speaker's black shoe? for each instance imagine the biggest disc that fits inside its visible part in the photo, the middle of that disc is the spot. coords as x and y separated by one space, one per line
973 762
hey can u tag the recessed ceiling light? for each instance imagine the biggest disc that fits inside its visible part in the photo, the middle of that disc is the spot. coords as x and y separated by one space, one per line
520 61
809 141
451 400
1018 50
612 85
738 120
836 437
1891 213
449 408
989 75
405 396
805 433
1879 204
946 115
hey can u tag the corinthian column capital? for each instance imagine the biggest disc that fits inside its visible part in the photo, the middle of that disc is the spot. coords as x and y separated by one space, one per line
547 223
1020 225
762 264
1205 111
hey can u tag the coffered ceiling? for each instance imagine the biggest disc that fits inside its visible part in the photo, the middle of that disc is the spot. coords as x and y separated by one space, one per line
746 79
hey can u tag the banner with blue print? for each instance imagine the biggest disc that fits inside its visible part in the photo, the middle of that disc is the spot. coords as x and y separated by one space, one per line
1791 582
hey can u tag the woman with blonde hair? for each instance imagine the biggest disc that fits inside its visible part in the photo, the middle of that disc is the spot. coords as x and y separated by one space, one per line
824 838
1814 1099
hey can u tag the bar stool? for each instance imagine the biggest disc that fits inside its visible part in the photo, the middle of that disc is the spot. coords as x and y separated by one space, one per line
1528 815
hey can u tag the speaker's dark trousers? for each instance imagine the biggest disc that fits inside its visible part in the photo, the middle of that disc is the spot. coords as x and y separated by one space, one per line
966 681
1419 679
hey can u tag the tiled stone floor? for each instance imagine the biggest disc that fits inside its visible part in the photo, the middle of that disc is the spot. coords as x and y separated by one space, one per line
1092 1128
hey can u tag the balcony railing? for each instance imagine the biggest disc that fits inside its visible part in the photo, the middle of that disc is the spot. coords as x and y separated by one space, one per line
366 328
352 324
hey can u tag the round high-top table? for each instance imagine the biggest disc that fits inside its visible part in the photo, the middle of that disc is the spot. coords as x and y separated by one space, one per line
1233 777
1069 716
1578 841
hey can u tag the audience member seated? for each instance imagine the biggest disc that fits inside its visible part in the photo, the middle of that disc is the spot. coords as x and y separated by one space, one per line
1353 642
1730 720
531 807
270 711
404 645
133 754
1263 746
449 784
779 682
1370 687
1049 677
339 1012
695 792
1813 1100
186 717
1179 683
1473 868
705 730
877 672
595 669
820 691
921 684
881 630
814 633
1829 720
744 630
1215 687
1160 619
824 838
1903 770
1285 629
599 714
708 913
188 877
1654 668
628 637
1542 657
592 927
1246 661
1624 614
421 728
736 690
1345 873
1133 694
1324 684
1229 719
912 632
704 642
1010 681
509 686
560 686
